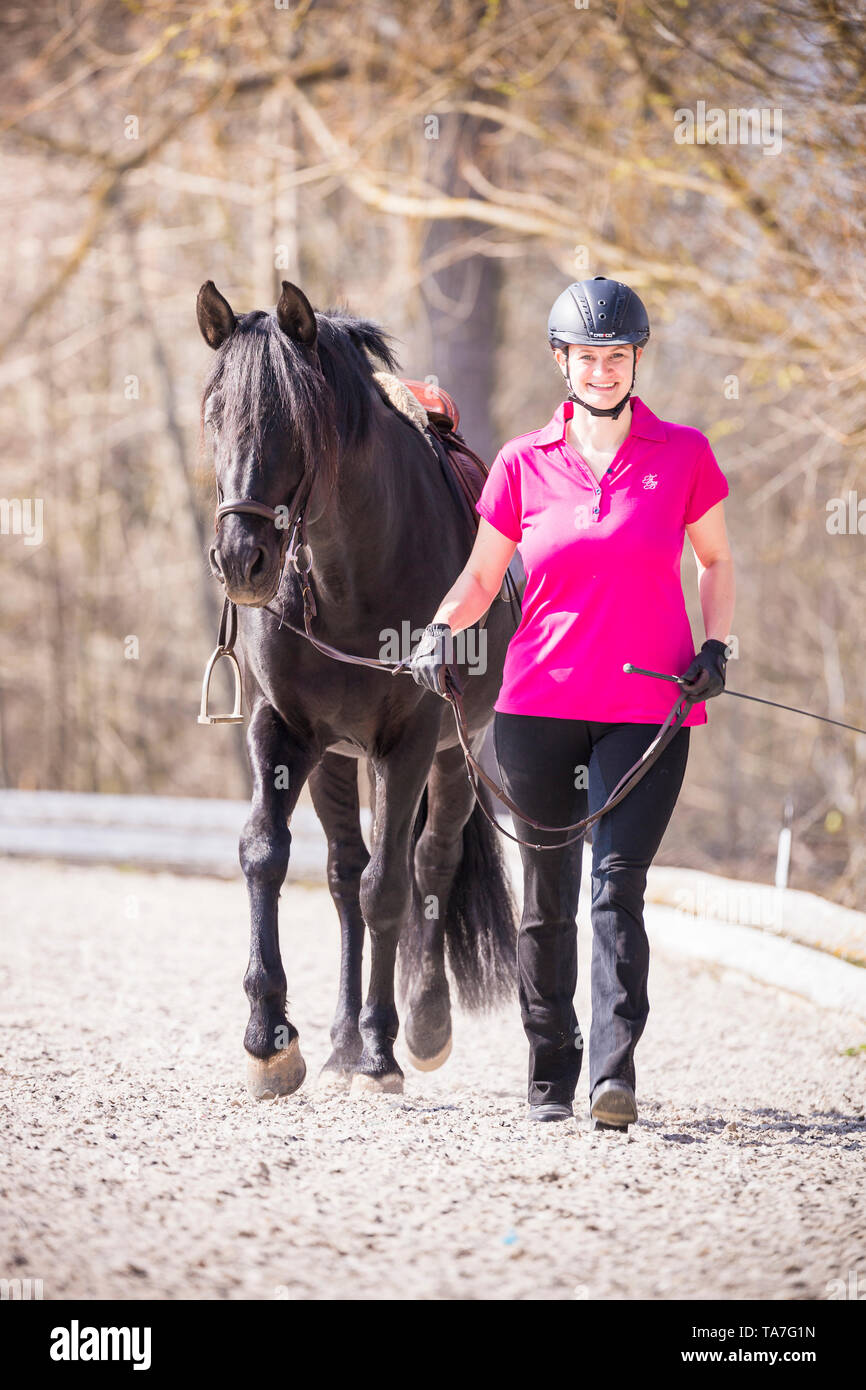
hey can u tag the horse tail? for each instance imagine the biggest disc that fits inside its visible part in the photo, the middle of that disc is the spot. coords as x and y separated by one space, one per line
481 916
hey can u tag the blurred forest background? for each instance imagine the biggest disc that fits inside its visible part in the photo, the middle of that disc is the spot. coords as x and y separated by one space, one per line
446 169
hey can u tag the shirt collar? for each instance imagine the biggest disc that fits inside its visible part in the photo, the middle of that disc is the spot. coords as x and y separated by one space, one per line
643 423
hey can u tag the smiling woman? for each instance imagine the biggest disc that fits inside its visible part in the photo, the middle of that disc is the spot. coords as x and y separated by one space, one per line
599 501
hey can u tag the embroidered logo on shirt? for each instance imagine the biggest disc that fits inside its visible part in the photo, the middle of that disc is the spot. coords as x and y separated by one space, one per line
650 480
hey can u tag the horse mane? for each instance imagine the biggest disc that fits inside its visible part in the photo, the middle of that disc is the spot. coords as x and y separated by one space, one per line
261 379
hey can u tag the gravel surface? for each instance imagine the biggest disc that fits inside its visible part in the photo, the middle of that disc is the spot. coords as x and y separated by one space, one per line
135 1166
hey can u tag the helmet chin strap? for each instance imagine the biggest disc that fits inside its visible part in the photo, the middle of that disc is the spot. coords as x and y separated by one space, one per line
615 411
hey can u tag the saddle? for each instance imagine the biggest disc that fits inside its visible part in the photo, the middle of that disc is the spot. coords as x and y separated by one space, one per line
463 468
434 412
434 399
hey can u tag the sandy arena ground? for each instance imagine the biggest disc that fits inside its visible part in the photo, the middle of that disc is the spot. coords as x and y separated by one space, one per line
135 1166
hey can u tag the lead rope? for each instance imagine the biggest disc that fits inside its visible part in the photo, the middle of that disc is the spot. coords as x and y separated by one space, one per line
291 556
673 723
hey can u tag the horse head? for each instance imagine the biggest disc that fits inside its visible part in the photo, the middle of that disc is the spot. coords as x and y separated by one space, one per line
268 411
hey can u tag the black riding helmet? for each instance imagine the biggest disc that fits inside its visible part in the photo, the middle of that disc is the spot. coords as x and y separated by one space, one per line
598 312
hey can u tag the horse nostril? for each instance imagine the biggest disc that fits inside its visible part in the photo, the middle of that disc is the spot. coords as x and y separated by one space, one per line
215 564
255 565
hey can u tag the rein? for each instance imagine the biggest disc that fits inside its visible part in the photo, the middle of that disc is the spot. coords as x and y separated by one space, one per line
291 548
673 723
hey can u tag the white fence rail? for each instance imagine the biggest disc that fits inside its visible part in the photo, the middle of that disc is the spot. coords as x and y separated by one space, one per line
688 912
184 834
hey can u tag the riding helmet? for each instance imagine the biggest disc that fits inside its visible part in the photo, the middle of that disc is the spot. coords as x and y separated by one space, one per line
598 311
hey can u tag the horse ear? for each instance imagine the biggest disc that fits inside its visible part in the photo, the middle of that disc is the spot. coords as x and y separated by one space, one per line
295 315
215 317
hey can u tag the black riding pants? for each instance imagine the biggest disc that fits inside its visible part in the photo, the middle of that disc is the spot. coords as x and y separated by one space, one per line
558 771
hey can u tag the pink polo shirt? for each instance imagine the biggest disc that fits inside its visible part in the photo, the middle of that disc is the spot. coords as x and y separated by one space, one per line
602 561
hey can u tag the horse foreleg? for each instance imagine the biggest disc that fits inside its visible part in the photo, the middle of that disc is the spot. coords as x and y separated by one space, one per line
280 766
450 801
334 789
386 893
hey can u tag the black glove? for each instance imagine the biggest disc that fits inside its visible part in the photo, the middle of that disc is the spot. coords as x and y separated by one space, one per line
706 675
433 657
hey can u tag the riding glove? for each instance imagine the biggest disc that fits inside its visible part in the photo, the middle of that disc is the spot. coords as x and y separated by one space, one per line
433 659
706 675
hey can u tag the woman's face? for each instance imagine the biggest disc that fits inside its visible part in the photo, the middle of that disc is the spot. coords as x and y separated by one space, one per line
600 375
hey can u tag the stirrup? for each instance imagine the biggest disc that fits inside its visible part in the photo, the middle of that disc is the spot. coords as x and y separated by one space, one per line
236 716
225 647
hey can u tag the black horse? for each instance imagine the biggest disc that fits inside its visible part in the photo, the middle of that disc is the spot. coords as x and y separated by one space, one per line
291 399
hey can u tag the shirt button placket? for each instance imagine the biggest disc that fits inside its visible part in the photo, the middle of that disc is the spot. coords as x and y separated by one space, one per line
595 510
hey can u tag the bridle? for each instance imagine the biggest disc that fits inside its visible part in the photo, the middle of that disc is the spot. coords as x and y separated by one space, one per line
293 546
294 518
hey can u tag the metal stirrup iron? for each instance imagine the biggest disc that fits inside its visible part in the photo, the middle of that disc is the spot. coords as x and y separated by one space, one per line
224 648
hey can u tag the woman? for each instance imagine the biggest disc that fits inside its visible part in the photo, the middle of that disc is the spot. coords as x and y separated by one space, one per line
598 501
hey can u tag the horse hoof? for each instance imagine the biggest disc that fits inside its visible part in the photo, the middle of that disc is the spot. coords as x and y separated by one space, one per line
279 1075
431 1063
332 1082
389 1084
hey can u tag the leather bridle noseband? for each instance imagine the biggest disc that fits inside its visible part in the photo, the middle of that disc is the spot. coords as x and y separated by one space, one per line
294 519
289 553
245 504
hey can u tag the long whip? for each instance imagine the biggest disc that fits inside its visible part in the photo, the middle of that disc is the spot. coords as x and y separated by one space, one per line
678 680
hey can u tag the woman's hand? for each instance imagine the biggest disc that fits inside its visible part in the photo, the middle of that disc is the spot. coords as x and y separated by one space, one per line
433 659
706 675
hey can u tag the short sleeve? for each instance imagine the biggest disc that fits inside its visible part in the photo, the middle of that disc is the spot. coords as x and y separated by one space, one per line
709 486
499 502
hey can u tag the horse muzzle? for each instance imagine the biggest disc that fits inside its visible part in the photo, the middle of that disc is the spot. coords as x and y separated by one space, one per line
250 570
